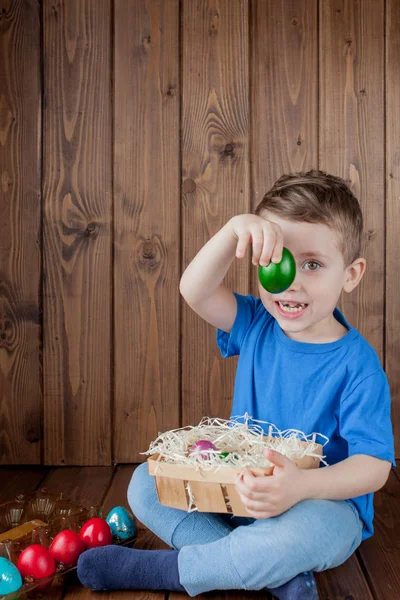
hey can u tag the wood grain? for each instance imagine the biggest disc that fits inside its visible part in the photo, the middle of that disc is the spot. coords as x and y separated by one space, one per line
215 178
392 179
82 485
381 553
77 232
161 120
147 224
20 213
372 572
284 93
344 582
351 133
20 480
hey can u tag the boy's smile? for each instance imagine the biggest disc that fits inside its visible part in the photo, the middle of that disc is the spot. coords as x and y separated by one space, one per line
305 310
290 310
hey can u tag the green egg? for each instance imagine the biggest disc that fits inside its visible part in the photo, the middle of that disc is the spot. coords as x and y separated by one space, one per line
225 454
277 277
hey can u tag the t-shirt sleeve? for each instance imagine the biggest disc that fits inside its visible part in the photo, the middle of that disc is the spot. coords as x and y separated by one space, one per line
365 421
230 343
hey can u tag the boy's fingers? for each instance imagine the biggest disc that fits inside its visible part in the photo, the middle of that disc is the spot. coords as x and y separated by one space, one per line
278 245
277 458
257 239
262 484
277 251
255 506
261 496
267 252
270 238
244 239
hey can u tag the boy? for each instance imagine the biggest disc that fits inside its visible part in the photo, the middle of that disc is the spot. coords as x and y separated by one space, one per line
301 366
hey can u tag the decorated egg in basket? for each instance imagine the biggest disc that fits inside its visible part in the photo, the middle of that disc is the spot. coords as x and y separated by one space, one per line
205 446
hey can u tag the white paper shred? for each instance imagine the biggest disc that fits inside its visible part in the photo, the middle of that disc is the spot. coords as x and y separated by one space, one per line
242 436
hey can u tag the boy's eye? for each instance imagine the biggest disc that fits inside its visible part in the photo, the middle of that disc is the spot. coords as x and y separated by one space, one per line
314 266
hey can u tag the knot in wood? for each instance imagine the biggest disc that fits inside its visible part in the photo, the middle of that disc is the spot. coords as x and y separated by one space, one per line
171 91
148 249
189 186
213 27
32 437
90 228
229 148
6 334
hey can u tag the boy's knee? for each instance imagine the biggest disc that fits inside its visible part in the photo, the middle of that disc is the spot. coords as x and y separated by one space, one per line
141 490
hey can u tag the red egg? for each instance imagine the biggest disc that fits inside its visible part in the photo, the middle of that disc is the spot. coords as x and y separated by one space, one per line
96 532
36 561
203 445
66 547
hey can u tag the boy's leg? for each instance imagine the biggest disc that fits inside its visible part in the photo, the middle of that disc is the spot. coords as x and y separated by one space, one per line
175 527
114 567
275 553
314 535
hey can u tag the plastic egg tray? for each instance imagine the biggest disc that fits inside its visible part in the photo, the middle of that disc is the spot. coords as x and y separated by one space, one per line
36 518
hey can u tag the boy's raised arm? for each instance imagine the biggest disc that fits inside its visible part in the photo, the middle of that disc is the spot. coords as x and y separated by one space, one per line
200 284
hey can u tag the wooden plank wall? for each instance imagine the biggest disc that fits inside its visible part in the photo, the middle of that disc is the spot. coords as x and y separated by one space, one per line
130 132
20 244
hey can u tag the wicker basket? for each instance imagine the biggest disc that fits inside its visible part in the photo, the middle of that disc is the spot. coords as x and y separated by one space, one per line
212 491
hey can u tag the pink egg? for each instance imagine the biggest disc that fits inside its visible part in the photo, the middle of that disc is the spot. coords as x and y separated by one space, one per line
203 445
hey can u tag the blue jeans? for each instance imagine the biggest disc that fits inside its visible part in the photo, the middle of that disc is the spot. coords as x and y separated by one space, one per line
224 552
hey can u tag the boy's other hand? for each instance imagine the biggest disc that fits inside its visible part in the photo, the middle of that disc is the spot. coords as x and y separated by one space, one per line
271 495
267 238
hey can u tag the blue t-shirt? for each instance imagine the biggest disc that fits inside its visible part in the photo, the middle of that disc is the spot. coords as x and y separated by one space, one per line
338 388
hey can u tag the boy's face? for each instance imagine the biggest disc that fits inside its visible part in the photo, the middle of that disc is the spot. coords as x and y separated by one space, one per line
320 277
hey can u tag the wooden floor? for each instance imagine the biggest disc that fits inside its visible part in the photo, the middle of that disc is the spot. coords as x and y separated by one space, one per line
373 573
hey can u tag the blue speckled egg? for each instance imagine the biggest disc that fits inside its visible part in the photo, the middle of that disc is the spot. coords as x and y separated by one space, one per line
122 523
10 577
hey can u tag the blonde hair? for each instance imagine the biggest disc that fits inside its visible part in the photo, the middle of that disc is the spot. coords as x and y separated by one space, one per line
318 197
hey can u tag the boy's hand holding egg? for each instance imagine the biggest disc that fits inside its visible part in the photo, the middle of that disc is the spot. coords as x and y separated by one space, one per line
271 495
276 278
277 267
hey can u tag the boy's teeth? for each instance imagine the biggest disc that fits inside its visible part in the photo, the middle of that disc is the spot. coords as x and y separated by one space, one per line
291 307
